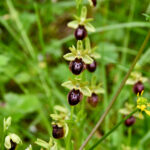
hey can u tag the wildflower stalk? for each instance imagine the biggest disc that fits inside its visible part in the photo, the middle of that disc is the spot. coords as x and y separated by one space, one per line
118 91
2 141
129 135
68 142
112 130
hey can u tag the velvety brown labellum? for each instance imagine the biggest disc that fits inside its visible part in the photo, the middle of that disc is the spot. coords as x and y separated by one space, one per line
138 87
80 33
13 145
74 97
91 67
93 100
58 132
94 2
130 121
77 66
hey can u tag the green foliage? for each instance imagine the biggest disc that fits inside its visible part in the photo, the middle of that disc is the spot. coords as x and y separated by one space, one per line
32 68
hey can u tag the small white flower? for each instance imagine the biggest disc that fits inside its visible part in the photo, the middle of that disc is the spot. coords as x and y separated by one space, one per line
7 123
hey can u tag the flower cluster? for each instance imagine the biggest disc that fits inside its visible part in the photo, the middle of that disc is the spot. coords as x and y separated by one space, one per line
59 125
81 24
12 140
127 110
136 79
81 57
143 104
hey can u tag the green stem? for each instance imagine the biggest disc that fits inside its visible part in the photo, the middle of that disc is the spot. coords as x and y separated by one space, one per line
39 27
129 135
68 143
105 95
2 142
118 91
124 61
112 130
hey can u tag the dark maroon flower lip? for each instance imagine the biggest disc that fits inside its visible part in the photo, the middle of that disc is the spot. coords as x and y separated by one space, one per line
80 33
58 132
13 145
138 87
74 97
94 2
91 67
130 121
93 100
77 66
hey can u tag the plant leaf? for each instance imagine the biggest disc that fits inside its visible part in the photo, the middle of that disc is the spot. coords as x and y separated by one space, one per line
3 60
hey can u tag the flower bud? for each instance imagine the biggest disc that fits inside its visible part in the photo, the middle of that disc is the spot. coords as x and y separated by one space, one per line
7 123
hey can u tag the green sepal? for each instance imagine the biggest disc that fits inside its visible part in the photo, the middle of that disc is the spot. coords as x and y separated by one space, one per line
56 117
95 55
87 44
83 13
60 109
86 91
69 56
99 90
73 24
73 49
42 143
90 27
66 128
79 45
68 84
87 59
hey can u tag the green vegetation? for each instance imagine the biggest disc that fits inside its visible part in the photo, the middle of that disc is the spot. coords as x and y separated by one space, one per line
34 37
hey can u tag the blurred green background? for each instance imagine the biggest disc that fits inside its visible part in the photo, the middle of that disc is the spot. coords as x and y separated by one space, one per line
33 39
